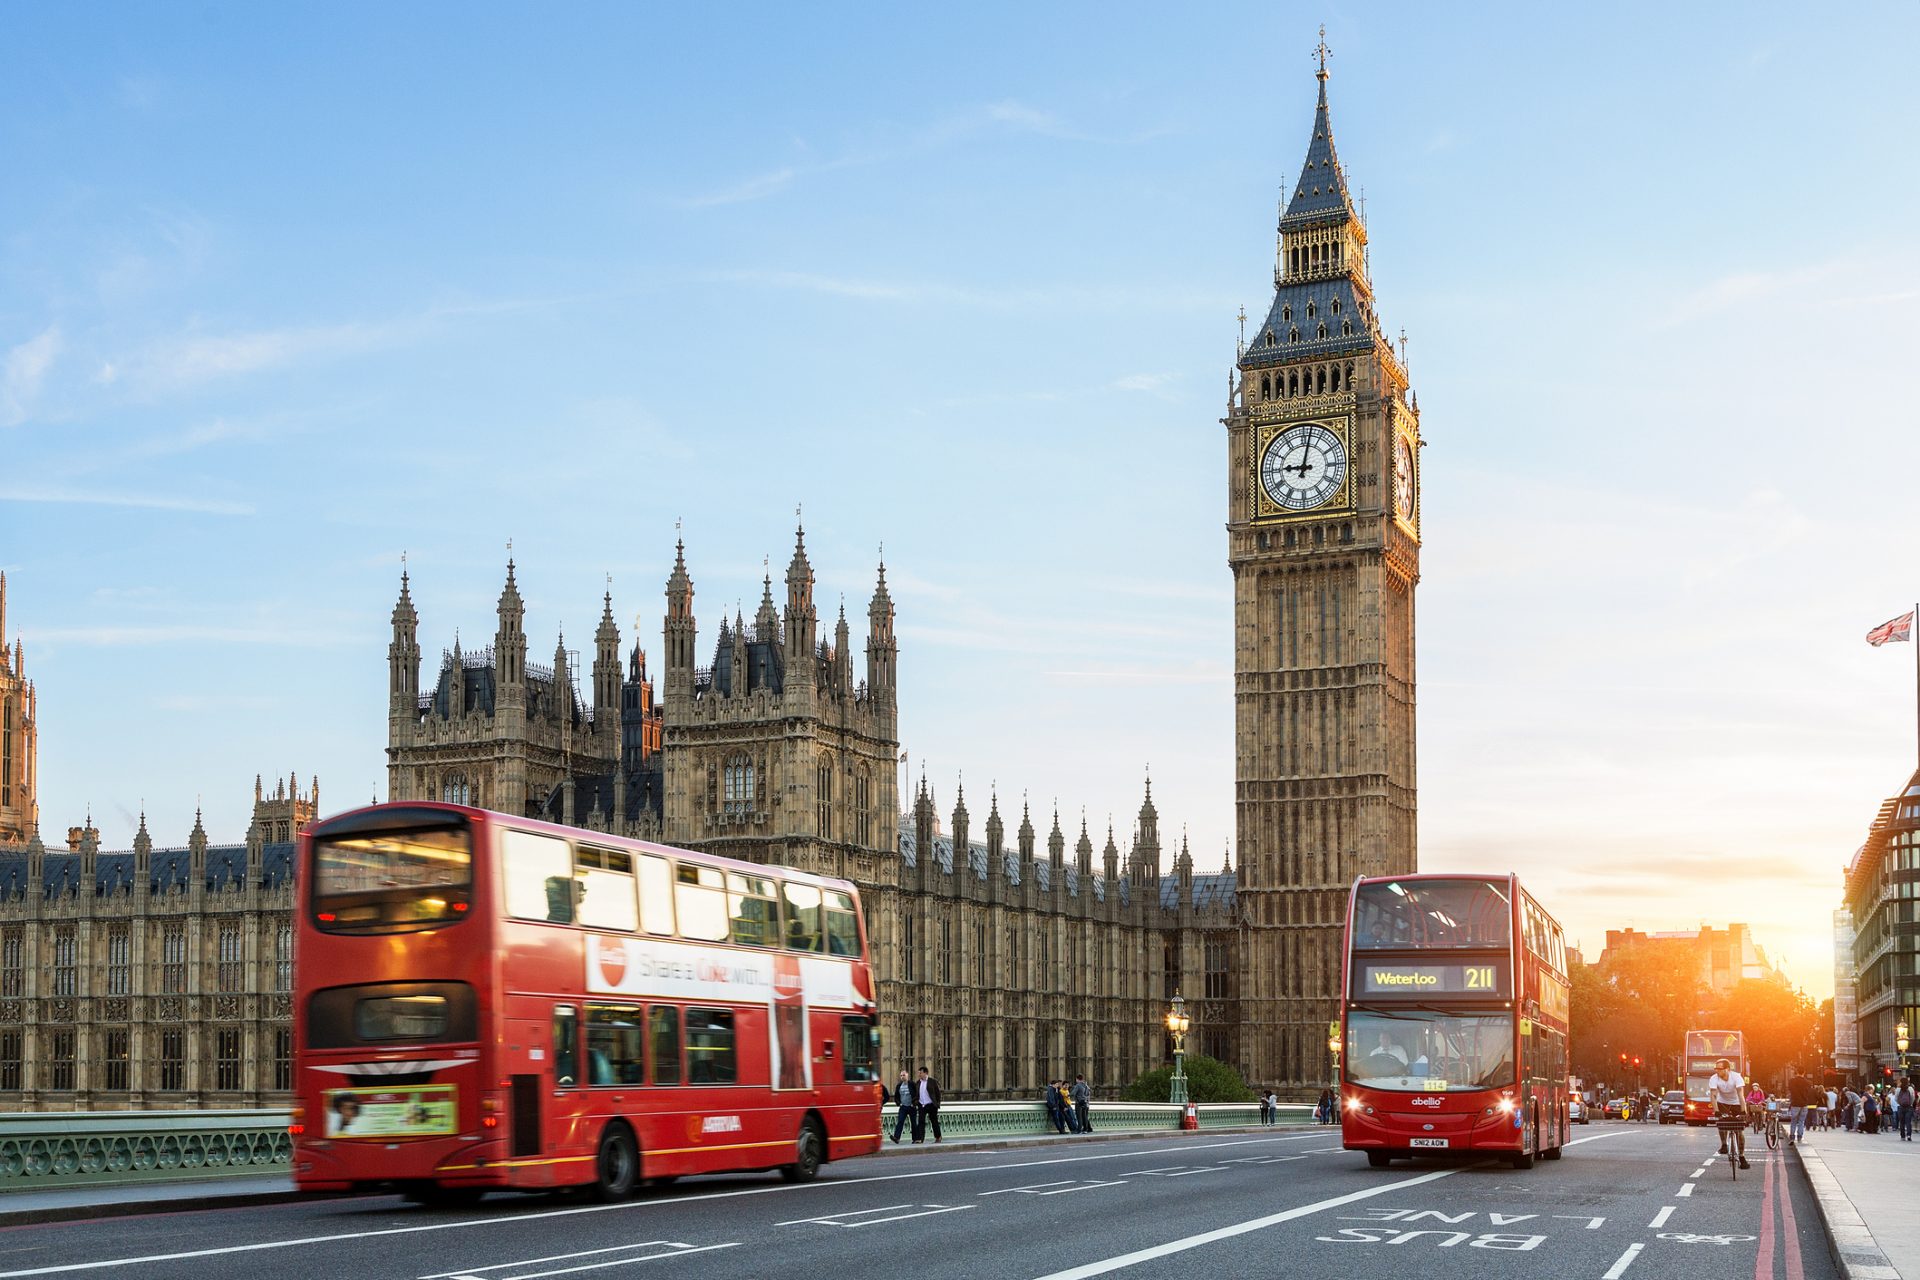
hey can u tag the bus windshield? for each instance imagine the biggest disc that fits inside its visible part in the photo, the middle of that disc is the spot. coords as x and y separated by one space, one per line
392 882
1421 914
1420 1051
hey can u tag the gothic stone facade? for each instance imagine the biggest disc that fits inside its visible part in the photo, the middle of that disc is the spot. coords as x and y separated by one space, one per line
19 814
154 978
1323 537
996 966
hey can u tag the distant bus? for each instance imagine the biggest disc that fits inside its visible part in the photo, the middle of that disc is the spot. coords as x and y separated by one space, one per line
1699 1051
488 1002
1454 1022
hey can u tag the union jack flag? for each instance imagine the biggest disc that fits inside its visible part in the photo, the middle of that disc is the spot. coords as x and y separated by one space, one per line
1900 628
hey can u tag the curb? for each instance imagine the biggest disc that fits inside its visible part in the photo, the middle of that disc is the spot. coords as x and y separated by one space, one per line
1855 1254
890 1149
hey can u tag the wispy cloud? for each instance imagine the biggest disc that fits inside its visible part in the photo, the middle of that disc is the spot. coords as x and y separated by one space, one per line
1008 116
23 371
121 637
150 501
1143 382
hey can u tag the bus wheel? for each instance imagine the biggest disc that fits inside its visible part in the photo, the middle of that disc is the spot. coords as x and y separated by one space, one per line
617 1167
1379 1159
807 1151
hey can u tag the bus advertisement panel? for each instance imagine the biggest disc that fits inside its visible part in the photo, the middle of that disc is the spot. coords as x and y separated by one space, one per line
483 1002
1455 1018
1699 1051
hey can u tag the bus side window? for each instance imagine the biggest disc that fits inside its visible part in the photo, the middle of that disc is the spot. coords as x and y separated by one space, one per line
539 876
656 895
857 1049
566 1046
710 1058
615 1053
805 931
700 895
605 895
753 915
663 1035
843 930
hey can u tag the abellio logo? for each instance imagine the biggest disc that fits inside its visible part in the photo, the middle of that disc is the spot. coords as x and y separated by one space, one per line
1426 1102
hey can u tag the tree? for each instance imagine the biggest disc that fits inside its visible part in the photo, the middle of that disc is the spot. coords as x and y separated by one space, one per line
1639 1000
1208 1080
1782 1027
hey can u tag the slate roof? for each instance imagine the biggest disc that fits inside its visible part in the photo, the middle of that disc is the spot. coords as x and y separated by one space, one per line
1288 316
227 867
1320 194
1215 892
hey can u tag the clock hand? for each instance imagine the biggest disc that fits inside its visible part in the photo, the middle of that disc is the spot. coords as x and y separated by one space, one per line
1306 463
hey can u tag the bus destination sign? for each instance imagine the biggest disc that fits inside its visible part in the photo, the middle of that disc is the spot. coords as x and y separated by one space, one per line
1395 979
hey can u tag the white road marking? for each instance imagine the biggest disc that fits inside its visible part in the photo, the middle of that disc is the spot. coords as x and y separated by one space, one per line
1085 1186
1030 1188
618 1262
927 1212
1625 1260
850 1213
107 1264
1686 1189
1241 1228
554 1257
1660 1218
1697 1173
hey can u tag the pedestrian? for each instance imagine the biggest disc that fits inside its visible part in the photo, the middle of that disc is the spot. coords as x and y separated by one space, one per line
1066 1106
904 1100
1082 1102
1870 1113
929 1112
1903 1103
1800 1097
1050 1095
1327 1111
1832 1116
1263 1107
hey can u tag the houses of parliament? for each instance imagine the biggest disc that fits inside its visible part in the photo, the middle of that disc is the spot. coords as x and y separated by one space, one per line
1009 948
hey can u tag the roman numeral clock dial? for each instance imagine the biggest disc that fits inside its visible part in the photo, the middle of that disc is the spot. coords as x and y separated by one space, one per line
1303 467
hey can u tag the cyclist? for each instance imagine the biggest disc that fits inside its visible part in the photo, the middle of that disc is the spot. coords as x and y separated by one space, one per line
1728 1089
1756 1106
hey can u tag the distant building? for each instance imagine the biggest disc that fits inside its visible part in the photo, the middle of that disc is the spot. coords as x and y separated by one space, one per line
19 813
1881 885
1727 957
1846 1001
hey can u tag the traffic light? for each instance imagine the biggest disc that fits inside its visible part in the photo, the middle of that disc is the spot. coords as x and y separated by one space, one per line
1636 1063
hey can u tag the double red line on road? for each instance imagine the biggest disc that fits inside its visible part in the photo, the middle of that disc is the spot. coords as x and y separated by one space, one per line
1775 1187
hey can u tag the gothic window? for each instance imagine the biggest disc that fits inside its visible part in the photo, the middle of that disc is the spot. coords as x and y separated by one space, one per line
455 789
173 958
823 797
862 804
713 789
1321 381
231 972
1293 335
1309 311
283 1058
66 972
1266 387
117 1060
11 1061
1334 380
226 1058
59 1060
739 784
1293 384
1269 337
1334 306
1322 332
1346 328
1286 313
173 1060
119 960
6 752
283 958
946 952
13 967
1349 374
909 955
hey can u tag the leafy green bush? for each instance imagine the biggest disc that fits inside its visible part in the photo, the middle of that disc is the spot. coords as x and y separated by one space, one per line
1208 1080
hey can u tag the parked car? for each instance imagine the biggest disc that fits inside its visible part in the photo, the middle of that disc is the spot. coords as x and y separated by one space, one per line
1577 1112
1616 1108
1673 1106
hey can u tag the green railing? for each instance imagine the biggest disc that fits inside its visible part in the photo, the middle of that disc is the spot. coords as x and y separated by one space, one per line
1025 1119
101 1148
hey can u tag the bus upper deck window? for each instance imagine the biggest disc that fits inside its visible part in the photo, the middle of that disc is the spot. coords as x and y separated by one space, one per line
656 895
806 930
843 927
538 871
605 879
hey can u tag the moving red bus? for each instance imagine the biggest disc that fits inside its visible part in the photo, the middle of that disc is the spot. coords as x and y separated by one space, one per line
1699 1051
484 1001
1454 1024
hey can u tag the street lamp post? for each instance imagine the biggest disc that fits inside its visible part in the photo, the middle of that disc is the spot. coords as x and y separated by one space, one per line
1334 1045
1177 1023
1900 1042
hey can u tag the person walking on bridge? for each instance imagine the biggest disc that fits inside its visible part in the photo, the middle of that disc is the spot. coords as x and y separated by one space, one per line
909 1110
1082 1100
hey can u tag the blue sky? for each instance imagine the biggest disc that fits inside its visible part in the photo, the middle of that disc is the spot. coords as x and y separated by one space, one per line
285 291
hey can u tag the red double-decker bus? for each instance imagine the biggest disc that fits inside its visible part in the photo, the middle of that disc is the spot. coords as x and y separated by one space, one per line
1454 1023
484 1002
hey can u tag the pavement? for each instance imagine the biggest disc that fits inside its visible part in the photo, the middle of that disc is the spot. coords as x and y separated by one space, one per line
1863 1185
1627 1202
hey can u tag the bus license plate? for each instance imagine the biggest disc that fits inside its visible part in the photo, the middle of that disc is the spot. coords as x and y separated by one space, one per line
1427 1142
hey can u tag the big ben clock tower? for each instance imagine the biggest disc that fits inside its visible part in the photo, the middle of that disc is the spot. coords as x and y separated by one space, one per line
1323 537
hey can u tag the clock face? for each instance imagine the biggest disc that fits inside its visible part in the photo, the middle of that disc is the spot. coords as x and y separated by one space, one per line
1403 478
1303 467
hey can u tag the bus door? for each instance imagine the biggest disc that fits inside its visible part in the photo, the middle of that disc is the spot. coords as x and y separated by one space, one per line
543 1071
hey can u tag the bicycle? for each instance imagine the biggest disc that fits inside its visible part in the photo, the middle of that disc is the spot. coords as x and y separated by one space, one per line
1732 1125
1773 1130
